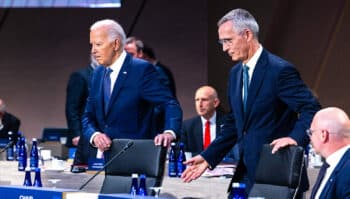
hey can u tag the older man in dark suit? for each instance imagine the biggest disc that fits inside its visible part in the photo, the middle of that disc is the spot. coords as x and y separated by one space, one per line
269 102
330 137
124 92
8 122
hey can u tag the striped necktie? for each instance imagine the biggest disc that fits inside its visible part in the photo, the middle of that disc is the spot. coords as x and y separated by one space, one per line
245 85
107 88
319 179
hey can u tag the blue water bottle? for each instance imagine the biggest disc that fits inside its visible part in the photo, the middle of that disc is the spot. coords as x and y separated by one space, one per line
34 155
22 155
172 171
238 191
134 184
27 178
19 136
181 167
142 187
37 179
10 156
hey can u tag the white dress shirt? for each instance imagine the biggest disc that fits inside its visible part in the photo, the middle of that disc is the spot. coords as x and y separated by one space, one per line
212 121
332 160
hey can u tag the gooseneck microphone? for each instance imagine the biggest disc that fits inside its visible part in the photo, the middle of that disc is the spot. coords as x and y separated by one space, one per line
10 144
127 146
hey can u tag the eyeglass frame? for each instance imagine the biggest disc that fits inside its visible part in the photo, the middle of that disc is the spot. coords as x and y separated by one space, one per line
227 41
309 131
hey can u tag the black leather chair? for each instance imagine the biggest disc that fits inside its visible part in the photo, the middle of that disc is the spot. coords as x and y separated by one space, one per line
143 157
278 175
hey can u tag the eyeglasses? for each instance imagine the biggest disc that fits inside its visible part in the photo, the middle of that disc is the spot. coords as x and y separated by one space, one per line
309 132
225 42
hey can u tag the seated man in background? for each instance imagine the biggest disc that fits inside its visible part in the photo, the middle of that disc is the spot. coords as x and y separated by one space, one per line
198 132
330 137
8 122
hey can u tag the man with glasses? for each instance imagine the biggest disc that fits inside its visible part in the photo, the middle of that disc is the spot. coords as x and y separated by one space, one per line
269 103
330 137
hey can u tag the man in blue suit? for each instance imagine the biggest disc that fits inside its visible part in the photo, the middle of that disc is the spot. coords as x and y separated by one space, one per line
269 102
124 92
330 137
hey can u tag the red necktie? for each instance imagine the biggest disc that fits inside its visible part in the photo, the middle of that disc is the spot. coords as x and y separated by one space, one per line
206 135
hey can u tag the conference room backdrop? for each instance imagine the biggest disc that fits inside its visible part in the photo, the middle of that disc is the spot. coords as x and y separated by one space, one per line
40 47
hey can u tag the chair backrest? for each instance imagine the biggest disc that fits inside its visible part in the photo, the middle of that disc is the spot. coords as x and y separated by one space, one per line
278 175
143 157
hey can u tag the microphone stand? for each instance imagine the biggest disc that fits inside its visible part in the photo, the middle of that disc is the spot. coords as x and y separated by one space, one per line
128 145
10 144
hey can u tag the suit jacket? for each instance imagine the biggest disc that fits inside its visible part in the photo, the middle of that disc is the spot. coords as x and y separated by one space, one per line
10 123
136 92
338 184
77 92
166 76
278 105
192 133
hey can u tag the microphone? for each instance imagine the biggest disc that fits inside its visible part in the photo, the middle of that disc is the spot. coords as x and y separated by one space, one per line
127 146
10 144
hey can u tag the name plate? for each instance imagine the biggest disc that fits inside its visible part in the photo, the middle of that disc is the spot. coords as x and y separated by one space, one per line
23 192
96 164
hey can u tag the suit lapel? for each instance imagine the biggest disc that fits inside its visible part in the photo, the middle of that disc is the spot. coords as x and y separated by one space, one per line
100 76
120 81
238 92
199 133
331 179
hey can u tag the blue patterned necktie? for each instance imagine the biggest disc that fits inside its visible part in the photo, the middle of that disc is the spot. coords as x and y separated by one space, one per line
107 87
245 85
319 179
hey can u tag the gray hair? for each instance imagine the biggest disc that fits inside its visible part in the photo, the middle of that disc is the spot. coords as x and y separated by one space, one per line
241 20
138 43
114 29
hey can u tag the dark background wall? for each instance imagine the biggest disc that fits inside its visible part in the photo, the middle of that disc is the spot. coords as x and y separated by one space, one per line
40 47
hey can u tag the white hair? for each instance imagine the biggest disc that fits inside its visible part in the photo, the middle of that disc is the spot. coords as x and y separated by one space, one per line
114 29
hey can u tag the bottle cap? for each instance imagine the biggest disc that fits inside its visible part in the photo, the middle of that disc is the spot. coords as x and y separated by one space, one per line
238 185
143 176
134 175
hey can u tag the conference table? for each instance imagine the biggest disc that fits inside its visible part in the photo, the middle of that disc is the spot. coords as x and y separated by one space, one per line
204 187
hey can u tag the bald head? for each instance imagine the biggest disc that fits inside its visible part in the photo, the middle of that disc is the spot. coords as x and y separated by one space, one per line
330 129
207 101
334 120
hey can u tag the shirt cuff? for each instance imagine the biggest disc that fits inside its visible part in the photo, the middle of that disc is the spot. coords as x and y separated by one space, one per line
171 132
92 138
